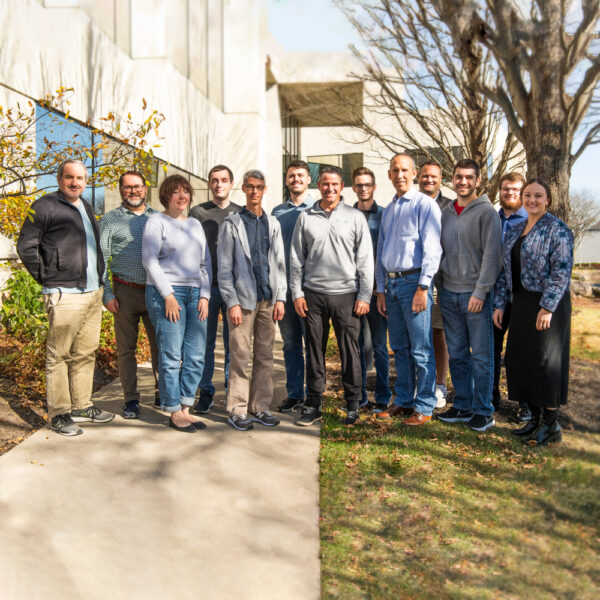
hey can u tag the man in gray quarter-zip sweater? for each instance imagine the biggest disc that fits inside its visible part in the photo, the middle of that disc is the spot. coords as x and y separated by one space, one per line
331 277
471 263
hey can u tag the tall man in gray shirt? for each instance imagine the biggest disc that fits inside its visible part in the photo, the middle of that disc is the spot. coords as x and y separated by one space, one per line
212 214
331 277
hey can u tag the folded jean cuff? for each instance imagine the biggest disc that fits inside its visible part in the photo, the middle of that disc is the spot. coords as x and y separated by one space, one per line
171 409
187 401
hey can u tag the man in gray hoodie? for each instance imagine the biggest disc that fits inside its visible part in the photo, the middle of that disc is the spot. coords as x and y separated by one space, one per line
331 277
471 263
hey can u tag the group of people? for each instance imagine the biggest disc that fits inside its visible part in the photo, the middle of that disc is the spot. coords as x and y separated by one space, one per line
441 278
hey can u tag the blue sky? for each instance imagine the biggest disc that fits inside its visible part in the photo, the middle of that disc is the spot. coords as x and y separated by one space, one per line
318 25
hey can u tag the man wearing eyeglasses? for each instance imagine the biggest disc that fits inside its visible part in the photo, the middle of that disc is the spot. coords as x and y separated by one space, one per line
364 187
253 285
511 212
121 242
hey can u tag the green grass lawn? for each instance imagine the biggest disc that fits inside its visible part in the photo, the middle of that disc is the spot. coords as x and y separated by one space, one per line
440 511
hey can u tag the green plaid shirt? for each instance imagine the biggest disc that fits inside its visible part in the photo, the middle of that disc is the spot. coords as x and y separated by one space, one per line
121 242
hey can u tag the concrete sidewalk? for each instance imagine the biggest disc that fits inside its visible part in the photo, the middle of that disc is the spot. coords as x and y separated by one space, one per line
133 509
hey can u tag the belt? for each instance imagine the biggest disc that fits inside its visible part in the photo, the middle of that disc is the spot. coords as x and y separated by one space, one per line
397 274
137 286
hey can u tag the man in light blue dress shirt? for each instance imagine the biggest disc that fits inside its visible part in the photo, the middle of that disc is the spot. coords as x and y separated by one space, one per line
408 256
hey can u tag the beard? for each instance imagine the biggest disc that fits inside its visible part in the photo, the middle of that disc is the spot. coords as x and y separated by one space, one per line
135 202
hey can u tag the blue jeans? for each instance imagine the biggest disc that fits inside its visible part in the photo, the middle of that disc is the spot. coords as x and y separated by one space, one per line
411 340
181 346
216 305
470 341
292 331
378 326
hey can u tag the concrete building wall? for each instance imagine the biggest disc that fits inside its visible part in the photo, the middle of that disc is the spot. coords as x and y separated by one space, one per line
198 63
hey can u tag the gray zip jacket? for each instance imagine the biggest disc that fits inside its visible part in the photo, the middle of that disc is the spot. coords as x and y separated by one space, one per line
236 278
332 253
472 248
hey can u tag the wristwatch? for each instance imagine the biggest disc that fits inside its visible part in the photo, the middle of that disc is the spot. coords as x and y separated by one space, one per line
423 287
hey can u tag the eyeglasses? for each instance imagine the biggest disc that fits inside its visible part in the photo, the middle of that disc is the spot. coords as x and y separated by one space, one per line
512 190
366 186
252 188
133 188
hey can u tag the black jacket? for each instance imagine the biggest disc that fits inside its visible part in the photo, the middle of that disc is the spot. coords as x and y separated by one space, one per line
53 246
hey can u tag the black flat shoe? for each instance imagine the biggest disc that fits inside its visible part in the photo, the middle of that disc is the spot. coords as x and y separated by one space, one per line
186 429
198 425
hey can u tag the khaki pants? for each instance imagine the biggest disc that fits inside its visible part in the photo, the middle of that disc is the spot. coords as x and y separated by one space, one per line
244 396
73 337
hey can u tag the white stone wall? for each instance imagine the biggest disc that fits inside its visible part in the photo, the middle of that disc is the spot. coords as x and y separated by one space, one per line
198 62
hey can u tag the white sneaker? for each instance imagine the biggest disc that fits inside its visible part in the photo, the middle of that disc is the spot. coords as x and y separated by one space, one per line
440 395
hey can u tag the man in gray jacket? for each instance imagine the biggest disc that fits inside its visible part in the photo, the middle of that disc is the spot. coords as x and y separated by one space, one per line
471 263
331 277
253 284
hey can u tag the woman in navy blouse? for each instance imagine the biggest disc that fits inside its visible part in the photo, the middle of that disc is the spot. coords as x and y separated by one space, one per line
537 264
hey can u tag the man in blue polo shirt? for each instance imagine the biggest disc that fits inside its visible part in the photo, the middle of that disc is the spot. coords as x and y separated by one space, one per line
511 212
297 180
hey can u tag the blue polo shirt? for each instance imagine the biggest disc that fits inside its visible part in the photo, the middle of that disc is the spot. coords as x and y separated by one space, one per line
287 214
508 222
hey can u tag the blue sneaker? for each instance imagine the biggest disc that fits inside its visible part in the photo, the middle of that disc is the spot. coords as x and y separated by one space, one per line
131 410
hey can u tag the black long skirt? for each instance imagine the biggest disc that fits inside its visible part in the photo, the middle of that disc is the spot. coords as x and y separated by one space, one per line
537 362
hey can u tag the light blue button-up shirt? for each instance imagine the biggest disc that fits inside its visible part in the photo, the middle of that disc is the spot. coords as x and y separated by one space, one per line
409 238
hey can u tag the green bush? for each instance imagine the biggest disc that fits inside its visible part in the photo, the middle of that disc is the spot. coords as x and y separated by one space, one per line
22 312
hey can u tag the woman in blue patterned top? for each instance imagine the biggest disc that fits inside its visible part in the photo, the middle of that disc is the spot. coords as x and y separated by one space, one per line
537 264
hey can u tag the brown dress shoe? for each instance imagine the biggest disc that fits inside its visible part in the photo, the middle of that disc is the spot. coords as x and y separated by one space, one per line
396 411
416 419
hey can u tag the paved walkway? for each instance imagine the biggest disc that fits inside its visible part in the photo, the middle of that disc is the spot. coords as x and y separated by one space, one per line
135 510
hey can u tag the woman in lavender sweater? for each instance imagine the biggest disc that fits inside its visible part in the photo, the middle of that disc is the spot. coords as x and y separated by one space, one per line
177 262
537 264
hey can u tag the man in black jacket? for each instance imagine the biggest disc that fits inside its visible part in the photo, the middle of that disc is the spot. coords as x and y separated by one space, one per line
60 248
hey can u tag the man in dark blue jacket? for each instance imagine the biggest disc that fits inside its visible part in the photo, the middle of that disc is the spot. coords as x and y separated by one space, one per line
363 184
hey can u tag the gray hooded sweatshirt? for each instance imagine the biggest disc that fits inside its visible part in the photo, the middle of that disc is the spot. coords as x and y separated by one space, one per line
472 248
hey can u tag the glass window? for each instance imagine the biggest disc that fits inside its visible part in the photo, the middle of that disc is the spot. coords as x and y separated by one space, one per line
57 135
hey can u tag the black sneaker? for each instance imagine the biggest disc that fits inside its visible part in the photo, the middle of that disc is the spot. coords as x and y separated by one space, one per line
481 422
241 422
64 425
91 413
454 415
205 403
131 410
291 404
351 417
309 415
379 408
265 418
